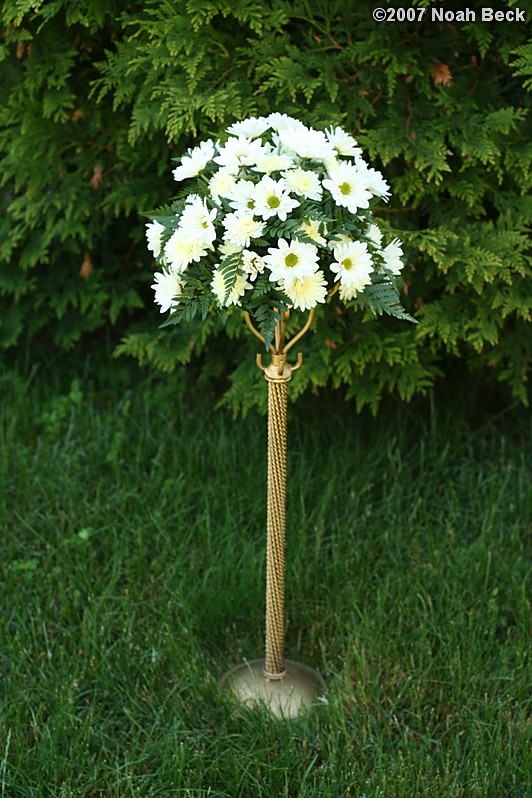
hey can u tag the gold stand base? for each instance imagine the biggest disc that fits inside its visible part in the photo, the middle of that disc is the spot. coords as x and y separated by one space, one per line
287 697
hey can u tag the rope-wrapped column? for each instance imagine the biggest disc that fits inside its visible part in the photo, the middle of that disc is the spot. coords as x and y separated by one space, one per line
275 568
277 374
286 687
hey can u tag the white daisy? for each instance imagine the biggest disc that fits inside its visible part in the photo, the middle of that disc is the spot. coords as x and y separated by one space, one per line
271 199
306 142
312 228
221 184
154 231
226 249
392 255
193 163
374 235
241 227
343 143
353 264
304 182
238 152
338 238
180 250
197 221
373 179
331 164
253 264
167 287
218 288
273 162
289 260
242 196
281 121
350 290
251 127
348 187
305 292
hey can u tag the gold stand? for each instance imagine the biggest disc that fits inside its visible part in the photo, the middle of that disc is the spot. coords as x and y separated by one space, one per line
287 688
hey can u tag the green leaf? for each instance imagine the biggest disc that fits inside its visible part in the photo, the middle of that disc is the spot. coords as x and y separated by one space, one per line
383 297
229 269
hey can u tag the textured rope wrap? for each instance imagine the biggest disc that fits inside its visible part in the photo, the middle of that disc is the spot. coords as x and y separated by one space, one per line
277 403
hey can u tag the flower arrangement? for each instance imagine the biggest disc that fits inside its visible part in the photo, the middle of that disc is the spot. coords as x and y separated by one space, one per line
279 217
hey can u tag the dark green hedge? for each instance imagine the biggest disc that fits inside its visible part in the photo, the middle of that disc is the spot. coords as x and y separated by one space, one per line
97 97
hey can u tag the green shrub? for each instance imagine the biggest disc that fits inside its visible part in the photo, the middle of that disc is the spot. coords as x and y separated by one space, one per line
98 97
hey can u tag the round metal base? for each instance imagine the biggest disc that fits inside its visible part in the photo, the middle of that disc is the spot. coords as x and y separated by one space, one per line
287 697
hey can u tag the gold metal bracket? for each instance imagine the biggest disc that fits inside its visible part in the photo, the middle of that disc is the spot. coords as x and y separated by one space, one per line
280 370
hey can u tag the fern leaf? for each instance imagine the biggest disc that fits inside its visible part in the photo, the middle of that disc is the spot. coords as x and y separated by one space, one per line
229 269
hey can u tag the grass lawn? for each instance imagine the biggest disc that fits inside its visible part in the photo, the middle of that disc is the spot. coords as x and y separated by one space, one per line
132 522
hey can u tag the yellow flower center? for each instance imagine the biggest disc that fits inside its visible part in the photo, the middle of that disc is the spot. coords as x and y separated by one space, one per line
291 259
274 202
345 188
347 263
